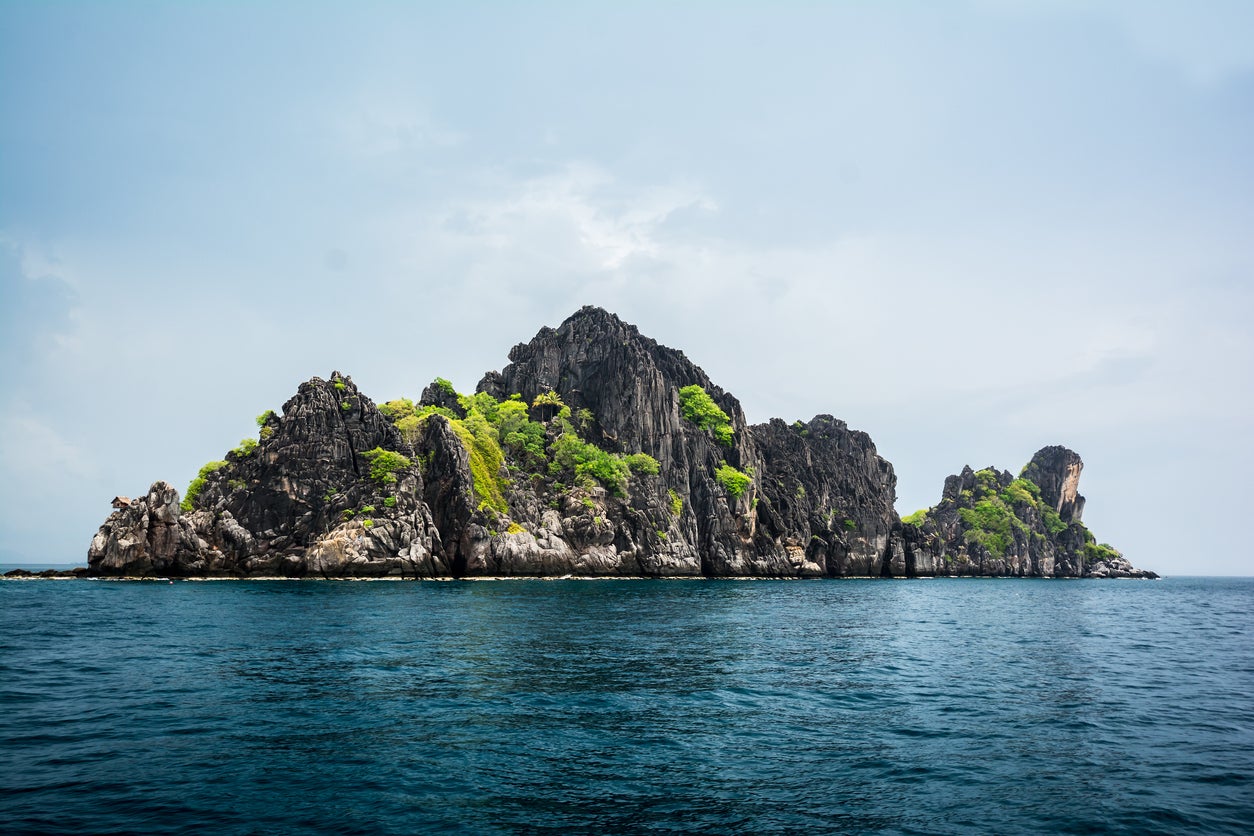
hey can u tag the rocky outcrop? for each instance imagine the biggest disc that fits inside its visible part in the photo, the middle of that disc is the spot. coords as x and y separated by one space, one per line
991 523
828 498
595 451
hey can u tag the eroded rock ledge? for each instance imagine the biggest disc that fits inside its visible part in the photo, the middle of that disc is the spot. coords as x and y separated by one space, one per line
596 451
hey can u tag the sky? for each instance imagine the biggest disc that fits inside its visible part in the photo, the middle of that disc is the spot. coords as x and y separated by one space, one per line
971 229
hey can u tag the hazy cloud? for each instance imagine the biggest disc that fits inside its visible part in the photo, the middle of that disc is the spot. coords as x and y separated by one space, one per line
970 230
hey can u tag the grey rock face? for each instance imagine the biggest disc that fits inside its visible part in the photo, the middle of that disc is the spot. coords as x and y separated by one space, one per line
828 498
335 487
1057 471
989 523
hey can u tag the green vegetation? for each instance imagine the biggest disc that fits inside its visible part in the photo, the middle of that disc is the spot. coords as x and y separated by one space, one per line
515 528
699 408
986 480
340 386
661 535
1021 492
732 480
367 509
850 525
480 440
264 418
1094 552
481 401
384 464
198 484
390 502
1053 522
367 523
990 524
677 504
246 448
395 410
518 433
410 426
996 512
549 405
491 429
236 484
571 454
916 519
642 463
345 405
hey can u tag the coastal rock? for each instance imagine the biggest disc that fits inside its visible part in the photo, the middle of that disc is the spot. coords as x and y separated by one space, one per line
595 451
144 537
990 523
828 496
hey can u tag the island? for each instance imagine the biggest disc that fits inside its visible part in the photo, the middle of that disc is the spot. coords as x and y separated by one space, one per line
596 452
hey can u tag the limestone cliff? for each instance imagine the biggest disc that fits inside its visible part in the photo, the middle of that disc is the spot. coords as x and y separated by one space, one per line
990 523
595 451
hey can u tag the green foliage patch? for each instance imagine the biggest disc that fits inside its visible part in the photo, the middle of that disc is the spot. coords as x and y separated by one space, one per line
384 464
677 504
574 455
732 480
990 523
699 408
916 519
246 448
198 484
397 409
1094 552
642 463
480 440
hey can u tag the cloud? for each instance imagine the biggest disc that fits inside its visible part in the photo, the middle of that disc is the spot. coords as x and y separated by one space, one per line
579 214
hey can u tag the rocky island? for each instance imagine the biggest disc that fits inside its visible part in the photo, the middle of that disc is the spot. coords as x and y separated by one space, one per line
594 452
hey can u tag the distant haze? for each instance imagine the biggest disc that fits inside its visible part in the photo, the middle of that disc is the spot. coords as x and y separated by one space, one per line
970 229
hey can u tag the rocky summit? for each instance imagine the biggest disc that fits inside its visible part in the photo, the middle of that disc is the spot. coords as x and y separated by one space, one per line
594 452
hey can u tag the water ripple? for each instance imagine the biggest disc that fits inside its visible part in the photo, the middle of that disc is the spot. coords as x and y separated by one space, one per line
693 707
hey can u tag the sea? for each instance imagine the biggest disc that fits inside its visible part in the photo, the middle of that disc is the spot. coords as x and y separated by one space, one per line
627 706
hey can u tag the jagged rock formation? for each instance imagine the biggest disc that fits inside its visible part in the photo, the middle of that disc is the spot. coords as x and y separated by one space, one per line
596 451
827 495
990 523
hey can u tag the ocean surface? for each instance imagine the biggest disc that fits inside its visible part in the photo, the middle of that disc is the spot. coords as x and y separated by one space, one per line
927 706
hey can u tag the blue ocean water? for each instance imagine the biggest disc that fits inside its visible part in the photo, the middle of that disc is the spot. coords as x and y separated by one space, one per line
937 706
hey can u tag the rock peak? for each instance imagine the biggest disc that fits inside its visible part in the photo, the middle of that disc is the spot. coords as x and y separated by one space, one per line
594 313
1056 470
595 451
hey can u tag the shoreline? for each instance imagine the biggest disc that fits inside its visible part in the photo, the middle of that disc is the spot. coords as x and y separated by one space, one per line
71 576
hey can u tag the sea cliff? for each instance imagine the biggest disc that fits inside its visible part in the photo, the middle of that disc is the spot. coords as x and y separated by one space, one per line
594 452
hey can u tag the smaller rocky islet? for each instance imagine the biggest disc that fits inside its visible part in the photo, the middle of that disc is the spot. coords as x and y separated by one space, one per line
594 452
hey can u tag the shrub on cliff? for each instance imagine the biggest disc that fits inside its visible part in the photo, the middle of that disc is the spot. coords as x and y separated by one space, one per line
198 484
699 408
732 480
571 454
384 464
642 463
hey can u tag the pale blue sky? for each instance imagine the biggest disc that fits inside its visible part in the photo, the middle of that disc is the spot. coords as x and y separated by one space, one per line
971 229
